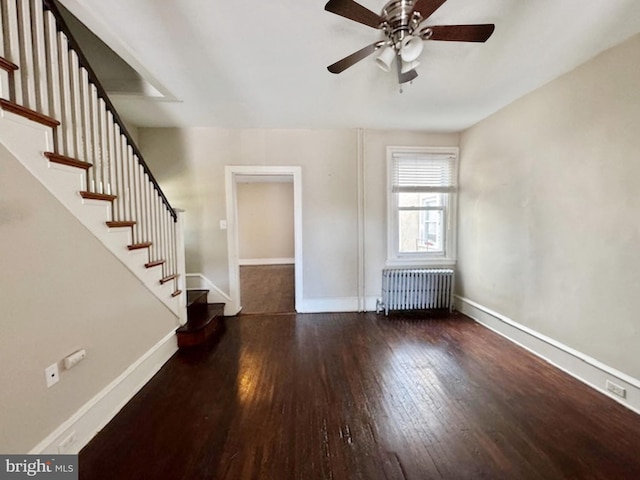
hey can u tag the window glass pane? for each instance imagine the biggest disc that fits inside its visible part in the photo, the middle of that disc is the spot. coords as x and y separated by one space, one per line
421 231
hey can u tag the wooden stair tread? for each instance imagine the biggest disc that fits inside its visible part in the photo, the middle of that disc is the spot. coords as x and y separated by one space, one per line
98 196
28 113
64 160
168 278
199 322
7 65
138 246
176 293
120 224
155 263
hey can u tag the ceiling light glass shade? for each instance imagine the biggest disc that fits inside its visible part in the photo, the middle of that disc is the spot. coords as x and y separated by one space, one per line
410 48
385 58
408 66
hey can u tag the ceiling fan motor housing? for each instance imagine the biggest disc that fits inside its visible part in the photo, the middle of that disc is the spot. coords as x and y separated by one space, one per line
399 19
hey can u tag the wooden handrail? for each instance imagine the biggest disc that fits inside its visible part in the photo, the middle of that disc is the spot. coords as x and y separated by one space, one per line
102 93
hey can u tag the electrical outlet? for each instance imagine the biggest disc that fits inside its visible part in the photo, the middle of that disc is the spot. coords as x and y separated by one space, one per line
74 358
65 445
52 375
616 389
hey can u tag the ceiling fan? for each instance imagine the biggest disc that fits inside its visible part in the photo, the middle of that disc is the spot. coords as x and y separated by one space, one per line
401 20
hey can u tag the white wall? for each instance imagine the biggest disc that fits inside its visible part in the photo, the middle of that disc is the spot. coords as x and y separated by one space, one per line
343 204
549 210
265 221
61 290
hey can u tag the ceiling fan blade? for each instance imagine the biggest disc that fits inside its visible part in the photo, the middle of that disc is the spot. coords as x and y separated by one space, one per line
350 60
426 7
406 76
459 33
354 11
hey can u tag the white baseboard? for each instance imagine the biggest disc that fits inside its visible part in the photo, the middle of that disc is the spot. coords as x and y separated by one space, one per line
584 368
267 261
328 305
197 281
100 410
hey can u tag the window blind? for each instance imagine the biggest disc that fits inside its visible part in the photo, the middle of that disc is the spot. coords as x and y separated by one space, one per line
423 172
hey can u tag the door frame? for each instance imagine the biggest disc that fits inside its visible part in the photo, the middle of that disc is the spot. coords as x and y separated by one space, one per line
232 172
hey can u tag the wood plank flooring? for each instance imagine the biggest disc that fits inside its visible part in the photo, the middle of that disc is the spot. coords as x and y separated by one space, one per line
267 288
360 396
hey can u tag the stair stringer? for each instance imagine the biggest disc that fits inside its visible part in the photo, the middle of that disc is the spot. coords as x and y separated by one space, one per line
28 141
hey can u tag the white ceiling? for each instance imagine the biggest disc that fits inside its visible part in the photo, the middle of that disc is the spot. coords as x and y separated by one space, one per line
262 64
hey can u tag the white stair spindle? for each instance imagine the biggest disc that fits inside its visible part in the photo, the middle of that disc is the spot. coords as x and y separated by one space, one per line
4 23
112 184
152 233
138 198
144 198
41 83
56 88
12 48
121 201
78 108
131 189
94 129
26 61
102 142
172 243
167 241
161 246
67 145
4 76
85 110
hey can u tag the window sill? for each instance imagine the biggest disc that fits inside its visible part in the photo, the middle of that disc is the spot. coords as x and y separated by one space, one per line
422 262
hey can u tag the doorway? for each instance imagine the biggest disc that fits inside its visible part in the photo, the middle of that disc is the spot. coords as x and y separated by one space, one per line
265 243
285 271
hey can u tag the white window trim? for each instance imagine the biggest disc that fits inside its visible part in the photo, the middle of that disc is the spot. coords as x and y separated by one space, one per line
395 259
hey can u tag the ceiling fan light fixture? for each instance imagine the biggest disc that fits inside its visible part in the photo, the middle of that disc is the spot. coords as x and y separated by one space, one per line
410 48
408 66
385 59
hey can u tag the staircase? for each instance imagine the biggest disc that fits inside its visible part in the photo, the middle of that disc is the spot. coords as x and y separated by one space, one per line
57 119
205 320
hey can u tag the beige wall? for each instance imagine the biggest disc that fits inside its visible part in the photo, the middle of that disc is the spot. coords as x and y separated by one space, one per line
549 206
189 164
265 220
60 290
343 186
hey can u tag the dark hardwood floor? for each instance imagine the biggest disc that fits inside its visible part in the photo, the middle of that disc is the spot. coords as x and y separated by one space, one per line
267 288
360 396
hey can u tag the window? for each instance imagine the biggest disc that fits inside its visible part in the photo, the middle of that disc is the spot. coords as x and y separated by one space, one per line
422 200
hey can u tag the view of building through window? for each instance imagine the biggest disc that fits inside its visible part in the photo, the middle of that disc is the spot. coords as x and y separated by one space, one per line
421 222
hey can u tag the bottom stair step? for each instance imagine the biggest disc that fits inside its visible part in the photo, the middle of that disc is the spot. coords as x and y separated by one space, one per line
201 327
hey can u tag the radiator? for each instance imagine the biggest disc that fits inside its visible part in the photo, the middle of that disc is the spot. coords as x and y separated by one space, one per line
416 289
